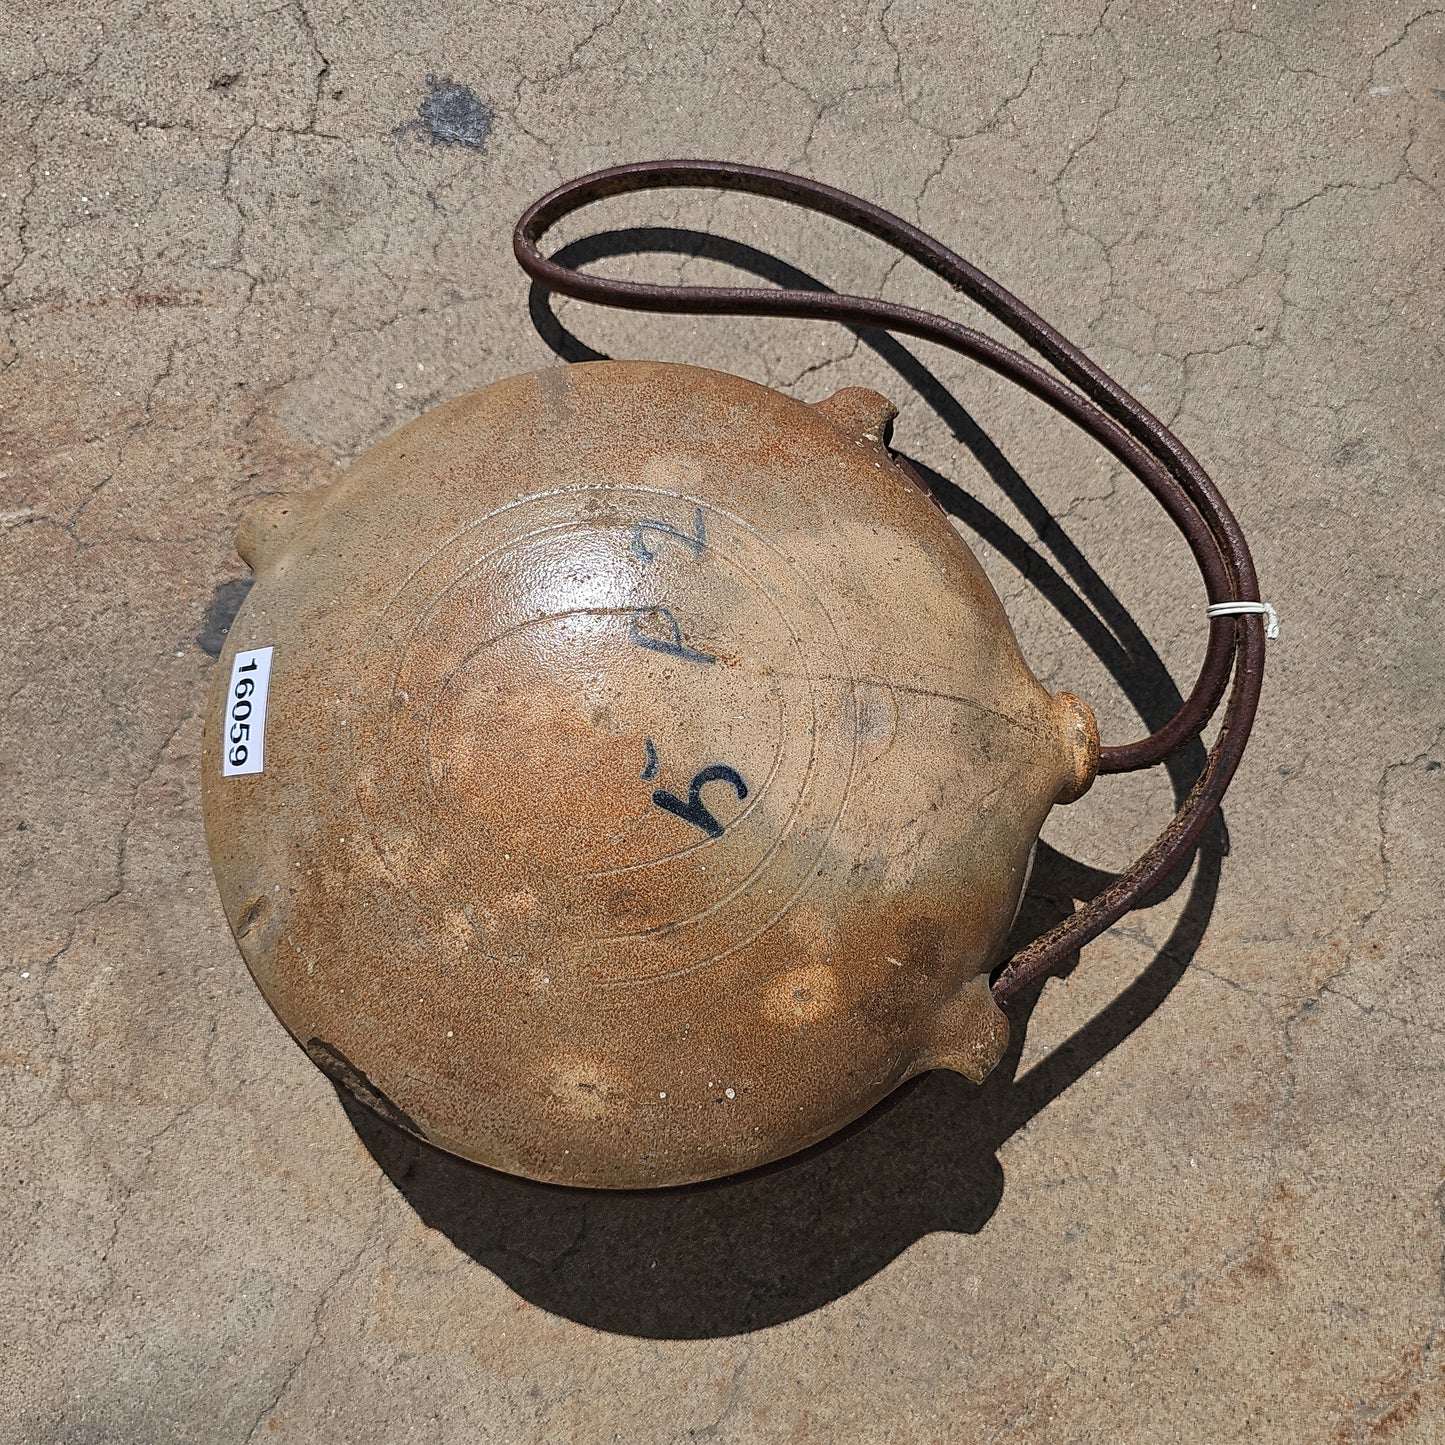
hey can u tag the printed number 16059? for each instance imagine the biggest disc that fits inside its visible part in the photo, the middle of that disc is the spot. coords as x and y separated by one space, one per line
243 746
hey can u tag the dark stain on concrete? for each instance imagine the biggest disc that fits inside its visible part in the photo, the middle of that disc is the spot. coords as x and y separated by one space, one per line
453 114
225 604
1352 452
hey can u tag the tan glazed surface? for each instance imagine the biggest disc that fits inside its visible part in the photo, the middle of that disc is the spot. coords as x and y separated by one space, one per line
650 775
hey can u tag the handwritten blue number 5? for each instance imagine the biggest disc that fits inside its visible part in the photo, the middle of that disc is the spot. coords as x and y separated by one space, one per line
694 810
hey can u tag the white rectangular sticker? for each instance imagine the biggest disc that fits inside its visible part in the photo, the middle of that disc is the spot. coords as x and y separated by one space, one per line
244 744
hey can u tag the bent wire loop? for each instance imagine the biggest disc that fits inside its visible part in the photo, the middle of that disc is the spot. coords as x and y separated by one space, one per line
1094 402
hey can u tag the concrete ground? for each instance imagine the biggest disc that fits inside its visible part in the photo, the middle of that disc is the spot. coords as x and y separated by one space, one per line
1204 1201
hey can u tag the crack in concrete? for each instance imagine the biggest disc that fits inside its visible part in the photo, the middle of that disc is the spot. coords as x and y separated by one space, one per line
344 1275
731 1400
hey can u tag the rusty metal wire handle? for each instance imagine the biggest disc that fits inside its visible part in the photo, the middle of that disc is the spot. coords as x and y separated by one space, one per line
1099 405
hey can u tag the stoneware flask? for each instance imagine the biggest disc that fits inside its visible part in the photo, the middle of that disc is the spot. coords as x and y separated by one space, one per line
625 775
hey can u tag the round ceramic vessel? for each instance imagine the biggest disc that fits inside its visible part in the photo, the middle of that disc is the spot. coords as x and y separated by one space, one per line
625 775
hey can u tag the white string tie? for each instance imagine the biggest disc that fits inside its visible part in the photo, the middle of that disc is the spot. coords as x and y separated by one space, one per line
1241 609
